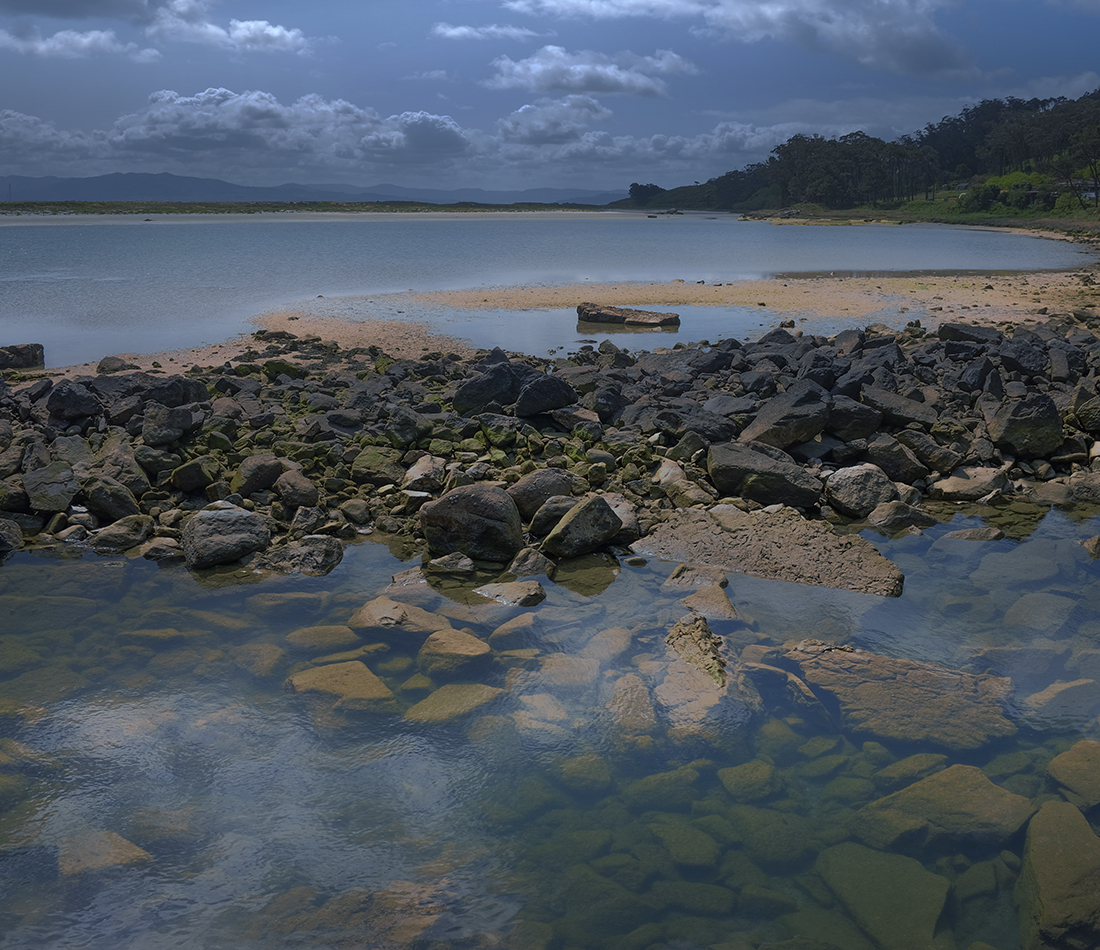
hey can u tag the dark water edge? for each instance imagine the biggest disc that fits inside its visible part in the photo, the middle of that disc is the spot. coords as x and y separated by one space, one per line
266 821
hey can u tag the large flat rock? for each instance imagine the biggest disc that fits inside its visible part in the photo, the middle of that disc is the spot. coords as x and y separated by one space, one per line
779 545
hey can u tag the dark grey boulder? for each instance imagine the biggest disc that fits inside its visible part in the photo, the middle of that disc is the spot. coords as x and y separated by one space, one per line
196 473
544 393
22 355
405 427
895 459
898 410
929 452
314 556
550 512
69 400
176 391
222 533
501 431
972 334
481 521
849 419
163 425
11 537
52 487
256 473
12 495
296 490
796 415
109 498
744 470
1030 427
586 527
1024 353
125 533
892 516
972 379
500 383
533 489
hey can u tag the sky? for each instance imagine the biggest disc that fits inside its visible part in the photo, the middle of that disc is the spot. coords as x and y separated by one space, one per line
503 94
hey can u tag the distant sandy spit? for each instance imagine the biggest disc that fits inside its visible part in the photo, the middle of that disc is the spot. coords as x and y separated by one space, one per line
980 298
1020 299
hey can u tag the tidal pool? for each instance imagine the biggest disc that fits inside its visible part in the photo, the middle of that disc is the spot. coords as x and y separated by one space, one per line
159 788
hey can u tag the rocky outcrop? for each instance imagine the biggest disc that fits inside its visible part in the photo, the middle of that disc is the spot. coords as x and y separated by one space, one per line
320 441
22 356
595 313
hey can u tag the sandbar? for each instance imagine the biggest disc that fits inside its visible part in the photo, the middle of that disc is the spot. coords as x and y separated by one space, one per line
1018 299
975 298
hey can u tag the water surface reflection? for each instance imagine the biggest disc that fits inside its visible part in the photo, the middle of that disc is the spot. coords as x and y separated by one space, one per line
160 789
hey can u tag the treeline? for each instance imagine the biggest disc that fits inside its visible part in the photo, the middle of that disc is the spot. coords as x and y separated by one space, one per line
1056 141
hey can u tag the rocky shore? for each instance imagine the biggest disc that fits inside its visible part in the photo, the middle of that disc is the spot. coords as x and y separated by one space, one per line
694 453
765 458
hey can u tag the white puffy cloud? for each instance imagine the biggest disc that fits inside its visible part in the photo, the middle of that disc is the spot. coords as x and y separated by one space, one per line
220 133
71 44
188 21
252 136
553 68
893 35
491 32
163 21
552 121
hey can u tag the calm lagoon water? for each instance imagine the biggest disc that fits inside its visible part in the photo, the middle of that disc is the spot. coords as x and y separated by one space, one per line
86 287
160 789
266 822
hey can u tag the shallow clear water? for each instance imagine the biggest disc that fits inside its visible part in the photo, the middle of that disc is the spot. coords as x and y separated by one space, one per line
85 287
268 821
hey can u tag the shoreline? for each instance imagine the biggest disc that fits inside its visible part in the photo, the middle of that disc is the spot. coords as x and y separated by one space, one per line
1015 298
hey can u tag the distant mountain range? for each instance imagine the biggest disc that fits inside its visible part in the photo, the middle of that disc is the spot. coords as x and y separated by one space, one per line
164 187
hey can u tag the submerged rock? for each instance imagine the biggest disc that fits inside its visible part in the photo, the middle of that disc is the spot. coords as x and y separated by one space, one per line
452 701
351 684
780 545
948 808
1077 772
893 898
1058 892
906 700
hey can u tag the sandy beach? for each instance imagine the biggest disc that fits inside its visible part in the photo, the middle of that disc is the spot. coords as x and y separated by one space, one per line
1017 299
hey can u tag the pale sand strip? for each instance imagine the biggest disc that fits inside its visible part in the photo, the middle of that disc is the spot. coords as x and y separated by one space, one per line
978 298
982 299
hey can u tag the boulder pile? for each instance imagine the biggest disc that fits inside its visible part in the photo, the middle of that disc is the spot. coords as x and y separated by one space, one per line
280 456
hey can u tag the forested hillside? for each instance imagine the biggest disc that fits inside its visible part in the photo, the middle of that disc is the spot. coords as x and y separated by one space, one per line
999 156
